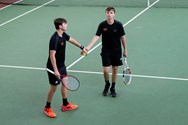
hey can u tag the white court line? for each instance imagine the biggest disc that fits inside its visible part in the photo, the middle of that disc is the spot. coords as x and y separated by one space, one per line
143 76
123 26
21 67
26 13
91 72
140 13
11 4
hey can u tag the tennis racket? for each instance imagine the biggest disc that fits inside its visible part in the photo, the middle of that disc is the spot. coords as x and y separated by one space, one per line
72 84
126 73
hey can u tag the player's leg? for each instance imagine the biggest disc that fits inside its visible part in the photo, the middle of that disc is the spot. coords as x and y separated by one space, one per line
116 61
114 73
106 62
51 92
64 91
48 110
53 87
106 71
114 77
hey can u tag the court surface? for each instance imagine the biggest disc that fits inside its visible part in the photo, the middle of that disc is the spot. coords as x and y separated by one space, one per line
157 46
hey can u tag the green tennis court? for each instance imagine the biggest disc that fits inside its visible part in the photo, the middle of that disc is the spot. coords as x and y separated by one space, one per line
157 46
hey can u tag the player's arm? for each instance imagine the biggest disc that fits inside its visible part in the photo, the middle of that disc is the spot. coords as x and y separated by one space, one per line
93 41
95 38
76 43
53 61
123 40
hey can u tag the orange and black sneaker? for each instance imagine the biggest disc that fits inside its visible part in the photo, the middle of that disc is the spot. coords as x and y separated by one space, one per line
49 112
69 107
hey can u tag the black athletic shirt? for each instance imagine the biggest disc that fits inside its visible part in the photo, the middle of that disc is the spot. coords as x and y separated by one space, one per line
58 44
111 34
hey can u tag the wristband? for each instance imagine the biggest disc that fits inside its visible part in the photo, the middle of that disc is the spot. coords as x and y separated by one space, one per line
81 47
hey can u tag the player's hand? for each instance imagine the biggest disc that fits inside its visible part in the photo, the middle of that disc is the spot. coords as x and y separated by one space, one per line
125 53
56 73
84 52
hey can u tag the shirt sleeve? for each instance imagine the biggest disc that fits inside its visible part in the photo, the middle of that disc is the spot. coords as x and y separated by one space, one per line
53 42
99 30
121 30
66 36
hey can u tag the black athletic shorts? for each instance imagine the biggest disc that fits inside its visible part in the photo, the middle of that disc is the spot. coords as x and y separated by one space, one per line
52 78
114 60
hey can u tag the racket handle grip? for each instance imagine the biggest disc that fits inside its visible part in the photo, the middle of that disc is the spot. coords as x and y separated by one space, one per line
58 81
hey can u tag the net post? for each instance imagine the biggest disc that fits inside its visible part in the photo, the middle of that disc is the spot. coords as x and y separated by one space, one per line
148 3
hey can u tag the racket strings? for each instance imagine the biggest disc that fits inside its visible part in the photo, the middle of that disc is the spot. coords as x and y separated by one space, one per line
73 83
126 77
126 73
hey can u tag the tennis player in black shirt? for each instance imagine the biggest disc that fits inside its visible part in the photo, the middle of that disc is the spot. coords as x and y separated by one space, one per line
113 36
56 63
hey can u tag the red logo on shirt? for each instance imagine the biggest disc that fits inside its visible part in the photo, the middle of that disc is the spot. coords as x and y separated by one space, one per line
105 29
62 43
